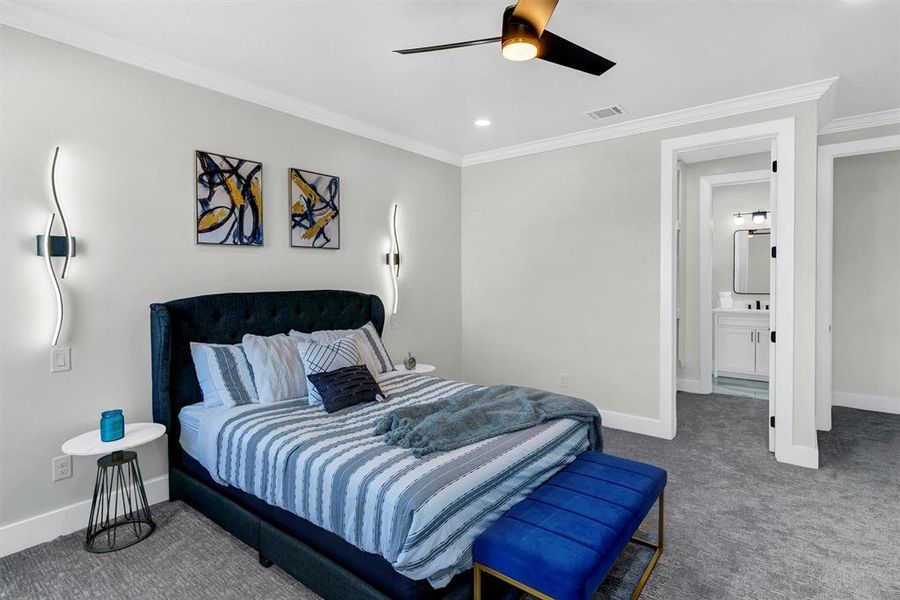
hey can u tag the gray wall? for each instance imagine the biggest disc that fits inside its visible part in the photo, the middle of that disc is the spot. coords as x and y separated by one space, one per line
689 252
561 268
866 285
126 181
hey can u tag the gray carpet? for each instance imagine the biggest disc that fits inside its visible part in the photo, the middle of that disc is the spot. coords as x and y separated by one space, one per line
738 525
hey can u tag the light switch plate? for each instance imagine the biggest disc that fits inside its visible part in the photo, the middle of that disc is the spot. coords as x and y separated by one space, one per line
60 360
395 322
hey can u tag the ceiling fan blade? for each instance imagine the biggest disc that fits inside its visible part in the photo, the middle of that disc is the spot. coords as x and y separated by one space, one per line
563 52
448 46
535 12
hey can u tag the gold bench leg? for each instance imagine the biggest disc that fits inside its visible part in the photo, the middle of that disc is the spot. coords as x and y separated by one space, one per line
477 583
478 569
658 546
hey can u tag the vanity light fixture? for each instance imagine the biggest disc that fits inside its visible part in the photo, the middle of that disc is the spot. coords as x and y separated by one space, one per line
758 216
392 258
50 246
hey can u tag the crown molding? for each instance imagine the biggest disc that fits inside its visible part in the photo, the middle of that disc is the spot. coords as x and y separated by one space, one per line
874 119
18 16
813 90
15 14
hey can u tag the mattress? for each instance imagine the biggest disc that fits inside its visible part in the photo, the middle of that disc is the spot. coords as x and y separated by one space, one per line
422 515
190 417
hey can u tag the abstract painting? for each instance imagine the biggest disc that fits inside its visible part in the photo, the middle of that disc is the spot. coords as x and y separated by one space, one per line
229 200
315 210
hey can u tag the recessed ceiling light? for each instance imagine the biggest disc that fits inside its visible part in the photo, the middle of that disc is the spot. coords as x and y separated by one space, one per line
482 122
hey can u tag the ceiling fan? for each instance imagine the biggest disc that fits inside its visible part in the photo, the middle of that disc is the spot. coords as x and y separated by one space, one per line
524 37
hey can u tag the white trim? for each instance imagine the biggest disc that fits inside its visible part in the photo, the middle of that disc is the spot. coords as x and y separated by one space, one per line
874 119
782 130
63 521
867 402
705 229
39 23
17 15
726 108
634 424
692 386
802 456
825 260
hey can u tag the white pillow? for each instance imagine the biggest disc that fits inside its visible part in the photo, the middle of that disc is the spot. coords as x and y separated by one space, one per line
277 367
372 349
324 358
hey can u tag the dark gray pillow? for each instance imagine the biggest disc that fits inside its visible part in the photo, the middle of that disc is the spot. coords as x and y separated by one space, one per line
345 387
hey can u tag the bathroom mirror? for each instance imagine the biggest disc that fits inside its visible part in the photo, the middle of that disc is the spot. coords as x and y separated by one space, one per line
751 261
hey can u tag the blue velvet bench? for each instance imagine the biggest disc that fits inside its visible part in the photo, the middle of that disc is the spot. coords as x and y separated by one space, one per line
560 542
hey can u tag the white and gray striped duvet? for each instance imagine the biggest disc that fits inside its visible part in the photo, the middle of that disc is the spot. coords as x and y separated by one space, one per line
422 515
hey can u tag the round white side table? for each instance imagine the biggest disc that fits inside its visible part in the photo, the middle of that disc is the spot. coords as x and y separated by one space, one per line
119 485
420 368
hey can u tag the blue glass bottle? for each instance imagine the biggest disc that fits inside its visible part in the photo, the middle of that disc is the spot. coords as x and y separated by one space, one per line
112 425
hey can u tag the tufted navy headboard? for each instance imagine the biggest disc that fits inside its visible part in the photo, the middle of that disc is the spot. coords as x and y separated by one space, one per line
224 319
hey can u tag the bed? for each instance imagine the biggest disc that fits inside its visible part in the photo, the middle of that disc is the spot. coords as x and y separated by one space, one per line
343 513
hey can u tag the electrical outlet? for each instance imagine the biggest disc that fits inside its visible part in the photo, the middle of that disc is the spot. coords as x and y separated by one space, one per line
564 380
60 360
395 322
62 467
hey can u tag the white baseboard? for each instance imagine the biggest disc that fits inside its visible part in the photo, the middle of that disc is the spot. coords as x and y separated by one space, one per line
692 386
866 402
62 521
802 456
635 424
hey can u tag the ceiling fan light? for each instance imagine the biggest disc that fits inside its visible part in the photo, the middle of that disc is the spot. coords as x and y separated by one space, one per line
519 49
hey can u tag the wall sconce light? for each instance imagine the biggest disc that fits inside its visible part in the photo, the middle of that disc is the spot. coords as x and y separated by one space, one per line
49 246
392 258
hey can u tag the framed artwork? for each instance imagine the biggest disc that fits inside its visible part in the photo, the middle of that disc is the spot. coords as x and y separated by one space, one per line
315 209
229 200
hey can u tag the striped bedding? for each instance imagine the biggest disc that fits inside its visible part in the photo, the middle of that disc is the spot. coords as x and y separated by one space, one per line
422 515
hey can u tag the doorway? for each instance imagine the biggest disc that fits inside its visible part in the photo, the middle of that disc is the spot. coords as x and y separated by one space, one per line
778 137
825 266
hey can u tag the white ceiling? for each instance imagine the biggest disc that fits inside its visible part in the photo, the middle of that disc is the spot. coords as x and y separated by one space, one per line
671 55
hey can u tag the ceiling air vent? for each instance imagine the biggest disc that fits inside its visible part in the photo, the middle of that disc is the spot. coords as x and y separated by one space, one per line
605 113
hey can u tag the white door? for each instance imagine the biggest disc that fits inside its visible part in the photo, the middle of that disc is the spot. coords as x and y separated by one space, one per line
762 351
773 304
736 349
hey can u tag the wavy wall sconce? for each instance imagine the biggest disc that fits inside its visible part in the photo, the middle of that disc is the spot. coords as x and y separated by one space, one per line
50 246
392 258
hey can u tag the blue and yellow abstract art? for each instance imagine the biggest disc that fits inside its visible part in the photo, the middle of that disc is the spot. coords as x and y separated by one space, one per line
315 209
229 200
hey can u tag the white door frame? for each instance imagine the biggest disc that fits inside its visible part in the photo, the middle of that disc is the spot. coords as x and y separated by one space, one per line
782 131
707 185
825 260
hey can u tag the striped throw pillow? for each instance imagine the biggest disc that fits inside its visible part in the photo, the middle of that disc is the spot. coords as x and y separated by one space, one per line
374 354
224 374
323 358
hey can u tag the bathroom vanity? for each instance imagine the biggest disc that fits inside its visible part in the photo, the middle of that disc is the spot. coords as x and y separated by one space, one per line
741 343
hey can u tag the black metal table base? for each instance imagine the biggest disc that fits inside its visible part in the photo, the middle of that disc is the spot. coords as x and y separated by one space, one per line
120 514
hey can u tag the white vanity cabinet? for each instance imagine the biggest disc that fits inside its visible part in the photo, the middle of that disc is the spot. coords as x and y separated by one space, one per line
742 343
